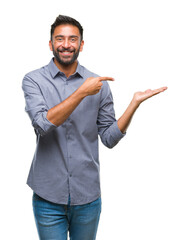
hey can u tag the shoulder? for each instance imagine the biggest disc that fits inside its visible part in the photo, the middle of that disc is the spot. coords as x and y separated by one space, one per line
87 73
37 75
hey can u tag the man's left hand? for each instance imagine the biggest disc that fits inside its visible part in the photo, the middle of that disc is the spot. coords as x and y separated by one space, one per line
139 97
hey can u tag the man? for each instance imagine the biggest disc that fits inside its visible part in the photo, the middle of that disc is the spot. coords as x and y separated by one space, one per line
69 106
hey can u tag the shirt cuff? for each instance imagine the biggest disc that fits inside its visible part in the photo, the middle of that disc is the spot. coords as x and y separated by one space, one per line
43 125
116 133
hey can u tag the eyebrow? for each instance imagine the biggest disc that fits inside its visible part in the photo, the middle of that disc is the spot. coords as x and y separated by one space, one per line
71 36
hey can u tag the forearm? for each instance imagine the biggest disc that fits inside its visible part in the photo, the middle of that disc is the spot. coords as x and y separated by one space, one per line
124 121
59 113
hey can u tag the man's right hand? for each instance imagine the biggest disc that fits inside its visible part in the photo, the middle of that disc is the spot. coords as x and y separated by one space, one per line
93 85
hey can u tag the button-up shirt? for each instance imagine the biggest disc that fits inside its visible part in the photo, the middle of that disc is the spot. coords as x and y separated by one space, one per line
66 159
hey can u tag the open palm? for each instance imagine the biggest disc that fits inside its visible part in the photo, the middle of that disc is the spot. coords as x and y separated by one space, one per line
139 97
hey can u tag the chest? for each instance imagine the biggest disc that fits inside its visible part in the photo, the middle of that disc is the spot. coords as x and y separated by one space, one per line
54 92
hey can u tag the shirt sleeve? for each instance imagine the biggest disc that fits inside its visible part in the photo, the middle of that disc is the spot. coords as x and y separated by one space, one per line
36 106
108 129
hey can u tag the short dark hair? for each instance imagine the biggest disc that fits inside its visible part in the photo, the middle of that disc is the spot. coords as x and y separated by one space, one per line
62 19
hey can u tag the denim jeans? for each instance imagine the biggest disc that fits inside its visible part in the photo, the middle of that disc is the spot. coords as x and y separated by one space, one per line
54 221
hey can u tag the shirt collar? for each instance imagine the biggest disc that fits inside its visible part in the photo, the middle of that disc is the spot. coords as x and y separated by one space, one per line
54 69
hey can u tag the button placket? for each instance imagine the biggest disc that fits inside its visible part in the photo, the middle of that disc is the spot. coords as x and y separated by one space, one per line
68 138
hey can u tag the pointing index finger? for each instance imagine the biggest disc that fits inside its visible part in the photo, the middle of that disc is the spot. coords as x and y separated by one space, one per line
106 79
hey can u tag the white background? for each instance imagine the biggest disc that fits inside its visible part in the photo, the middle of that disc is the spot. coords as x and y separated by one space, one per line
142 44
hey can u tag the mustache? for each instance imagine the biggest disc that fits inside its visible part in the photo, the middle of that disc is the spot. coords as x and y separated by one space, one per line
62 49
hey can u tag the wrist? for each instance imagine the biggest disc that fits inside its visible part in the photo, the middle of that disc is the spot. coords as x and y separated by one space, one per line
81 92
135 103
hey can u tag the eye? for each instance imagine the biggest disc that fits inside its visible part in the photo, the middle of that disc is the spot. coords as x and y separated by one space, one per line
73 39
59 39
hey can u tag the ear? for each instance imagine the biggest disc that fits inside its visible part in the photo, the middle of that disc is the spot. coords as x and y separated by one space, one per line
50 45
81 46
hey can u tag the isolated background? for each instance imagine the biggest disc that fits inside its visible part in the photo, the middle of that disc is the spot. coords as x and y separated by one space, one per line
142 44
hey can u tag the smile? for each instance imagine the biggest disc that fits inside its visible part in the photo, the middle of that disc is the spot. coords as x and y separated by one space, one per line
65 53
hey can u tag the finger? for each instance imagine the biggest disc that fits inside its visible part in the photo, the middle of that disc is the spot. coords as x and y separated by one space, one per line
97 91
159 90
105 79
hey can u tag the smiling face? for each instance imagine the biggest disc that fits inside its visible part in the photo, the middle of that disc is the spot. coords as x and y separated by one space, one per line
66 44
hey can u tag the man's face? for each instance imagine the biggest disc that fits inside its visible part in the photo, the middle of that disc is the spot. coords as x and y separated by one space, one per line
66 44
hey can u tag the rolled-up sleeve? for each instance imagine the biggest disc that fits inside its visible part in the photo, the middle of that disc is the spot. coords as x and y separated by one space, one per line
108 129
36 106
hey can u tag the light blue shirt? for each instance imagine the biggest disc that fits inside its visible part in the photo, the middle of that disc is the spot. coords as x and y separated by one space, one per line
66 160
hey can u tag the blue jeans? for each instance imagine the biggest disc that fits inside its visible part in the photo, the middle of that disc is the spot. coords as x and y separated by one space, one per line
54 221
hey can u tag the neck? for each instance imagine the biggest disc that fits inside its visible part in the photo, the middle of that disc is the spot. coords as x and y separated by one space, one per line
67 70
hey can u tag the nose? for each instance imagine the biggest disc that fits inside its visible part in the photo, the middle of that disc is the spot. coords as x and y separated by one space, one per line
66 43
